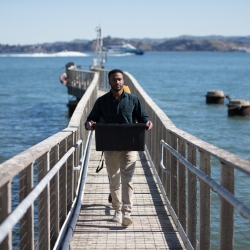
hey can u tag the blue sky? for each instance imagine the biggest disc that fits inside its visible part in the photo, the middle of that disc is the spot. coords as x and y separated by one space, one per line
30 22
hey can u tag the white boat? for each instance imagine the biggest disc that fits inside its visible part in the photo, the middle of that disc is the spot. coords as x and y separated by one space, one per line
123 49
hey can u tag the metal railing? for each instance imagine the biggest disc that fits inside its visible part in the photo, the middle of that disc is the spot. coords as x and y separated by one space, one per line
27 202
214 186
78 81
38 186
209 217
67 229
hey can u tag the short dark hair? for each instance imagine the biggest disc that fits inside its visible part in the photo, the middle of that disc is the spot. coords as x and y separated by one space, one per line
115 71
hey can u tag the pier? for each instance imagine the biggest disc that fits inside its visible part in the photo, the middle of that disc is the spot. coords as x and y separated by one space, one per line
180 203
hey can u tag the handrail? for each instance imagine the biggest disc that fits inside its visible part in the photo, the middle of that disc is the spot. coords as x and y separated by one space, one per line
30 167
189 201
163 168
73 221
182 232
74 210
154 111
23 206
16 164
243 209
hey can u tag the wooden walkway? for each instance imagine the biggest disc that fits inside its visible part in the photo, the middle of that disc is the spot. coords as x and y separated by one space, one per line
152 226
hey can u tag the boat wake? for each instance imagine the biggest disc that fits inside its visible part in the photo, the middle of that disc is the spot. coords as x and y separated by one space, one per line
58 54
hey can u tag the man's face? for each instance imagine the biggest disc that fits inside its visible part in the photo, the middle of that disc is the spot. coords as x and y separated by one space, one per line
116 81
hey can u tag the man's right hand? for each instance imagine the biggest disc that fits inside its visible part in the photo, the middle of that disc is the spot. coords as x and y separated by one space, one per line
90 125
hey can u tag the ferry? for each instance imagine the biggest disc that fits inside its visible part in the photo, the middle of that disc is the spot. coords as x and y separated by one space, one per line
125 48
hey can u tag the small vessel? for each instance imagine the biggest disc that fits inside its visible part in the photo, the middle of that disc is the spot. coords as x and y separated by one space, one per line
124 49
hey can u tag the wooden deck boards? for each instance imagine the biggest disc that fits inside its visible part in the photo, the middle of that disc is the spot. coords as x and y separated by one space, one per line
152 226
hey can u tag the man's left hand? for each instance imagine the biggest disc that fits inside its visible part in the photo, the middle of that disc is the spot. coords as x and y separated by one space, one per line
149 125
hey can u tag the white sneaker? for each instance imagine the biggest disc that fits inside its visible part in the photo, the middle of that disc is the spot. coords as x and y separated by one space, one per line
127 220
117 216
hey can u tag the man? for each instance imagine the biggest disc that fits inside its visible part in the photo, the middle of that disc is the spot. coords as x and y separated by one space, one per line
117 106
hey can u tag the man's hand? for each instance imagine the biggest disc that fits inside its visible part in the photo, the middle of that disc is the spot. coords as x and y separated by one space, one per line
149 125
90 125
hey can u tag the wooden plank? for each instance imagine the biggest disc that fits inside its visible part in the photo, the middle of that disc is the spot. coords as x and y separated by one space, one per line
27 222
5 209
168 165
227 210
173 176
152 226
70 174
182 197
192 197
205 203
164 174
44 204
62 186
54 198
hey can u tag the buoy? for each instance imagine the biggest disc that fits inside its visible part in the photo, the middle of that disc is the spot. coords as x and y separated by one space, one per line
63 78
215 96
238 107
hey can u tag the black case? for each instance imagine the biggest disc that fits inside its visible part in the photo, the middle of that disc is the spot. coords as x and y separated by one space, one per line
120 137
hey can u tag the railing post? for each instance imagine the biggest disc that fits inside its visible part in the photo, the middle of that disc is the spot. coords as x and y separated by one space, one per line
5 209
147 141
192 197
168 166
54 198
70 174
84 80
152 141
158 138
44 204
62 185
75 154
27 222
205 201
226 210
164 175
182 198
173 175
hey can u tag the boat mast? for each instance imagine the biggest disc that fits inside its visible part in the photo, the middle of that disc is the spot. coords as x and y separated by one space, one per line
98 60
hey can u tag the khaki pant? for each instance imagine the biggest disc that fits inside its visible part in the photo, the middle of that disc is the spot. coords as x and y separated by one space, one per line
120 167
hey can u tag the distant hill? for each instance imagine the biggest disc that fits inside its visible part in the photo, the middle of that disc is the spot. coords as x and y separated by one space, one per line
186 37
181 43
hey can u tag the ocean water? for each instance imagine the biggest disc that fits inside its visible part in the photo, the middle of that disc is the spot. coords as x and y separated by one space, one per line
178 83
33 103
